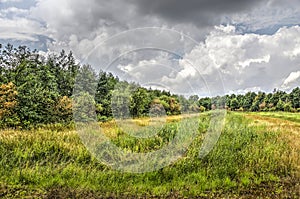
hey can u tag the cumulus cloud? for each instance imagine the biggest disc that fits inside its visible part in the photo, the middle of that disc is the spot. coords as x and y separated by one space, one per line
244 60
87 20
255 51
19 28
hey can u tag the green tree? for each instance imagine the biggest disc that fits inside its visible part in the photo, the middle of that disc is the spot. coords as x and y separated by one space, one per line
164 101
259 99
140 102
280 105
184 103
105 85
205 102
234 104
288 107
65 69
248 100
84 107
295 98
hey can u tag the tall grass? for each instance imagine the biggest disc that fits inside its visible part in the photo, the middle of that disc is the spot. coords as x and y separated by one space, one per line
246 157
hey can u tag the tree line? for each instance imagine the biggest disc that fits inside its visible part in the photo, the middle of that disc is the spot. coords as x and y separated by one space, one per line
36 89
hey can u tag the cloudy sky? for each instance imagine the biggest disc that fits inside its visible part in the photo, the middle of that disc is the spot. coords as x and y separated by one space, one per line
203 47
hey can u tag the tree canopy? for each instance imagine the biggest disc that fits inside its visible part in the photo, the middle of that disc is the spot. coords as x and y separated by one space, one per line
36 89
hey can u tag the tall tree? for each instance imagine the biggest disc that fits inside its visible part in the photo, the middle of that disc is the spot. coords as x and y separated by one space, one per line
140 102
248 101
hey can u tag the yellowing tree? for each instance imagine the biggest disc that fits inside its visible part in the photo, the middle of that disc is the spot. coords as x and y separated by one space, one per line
8 103
64 109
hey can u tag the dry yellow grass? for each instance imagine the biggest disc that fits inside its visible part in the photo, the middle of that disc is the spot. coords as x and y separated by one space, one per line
289 131
113 127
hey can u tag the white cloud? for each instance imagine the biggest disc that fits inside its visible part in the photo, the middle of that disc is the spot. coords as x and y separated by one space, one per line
292 78
294 50
19 29
14 11
10 1
225 54
246 90
145 71
268 16
243 60
82 25
247 62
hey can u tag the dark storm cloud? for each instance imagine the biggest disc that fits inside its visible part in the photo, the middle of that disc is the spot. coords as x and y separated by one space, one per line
194 11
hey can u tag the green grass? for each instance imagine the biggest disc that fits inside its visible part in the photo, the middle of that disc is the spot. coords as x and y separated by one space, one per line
246 160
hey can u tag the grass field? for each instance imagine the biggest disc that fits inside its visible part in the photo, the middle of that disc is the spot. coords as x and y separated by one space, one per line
257 155
293 117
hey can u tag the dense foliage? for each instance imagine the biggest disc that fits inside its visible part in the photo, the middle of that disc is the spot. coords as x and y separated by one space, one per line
36 89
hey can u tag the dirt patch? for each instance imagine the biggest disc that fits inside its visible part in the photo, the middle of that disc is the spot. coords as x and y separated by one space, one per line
286 189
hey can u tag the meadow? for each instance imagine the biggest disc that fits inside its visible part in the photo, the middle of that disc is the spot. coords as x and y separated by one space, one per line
257 155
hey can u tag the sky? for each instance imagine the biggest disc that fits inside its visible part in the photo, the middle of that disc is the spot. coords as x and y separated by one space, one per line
203 47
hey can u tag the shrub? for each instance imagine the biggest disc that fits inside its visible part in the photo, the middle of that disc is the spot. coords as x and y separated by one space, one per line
293 110
102 118
202 108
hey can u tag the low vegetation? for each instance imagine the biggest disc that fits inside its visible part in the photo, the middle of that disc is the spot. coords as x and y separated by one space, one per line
249 160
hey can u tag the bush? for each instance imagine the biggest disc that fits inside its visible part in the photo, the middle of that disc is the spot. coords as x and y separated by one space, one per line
102 118
202 108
